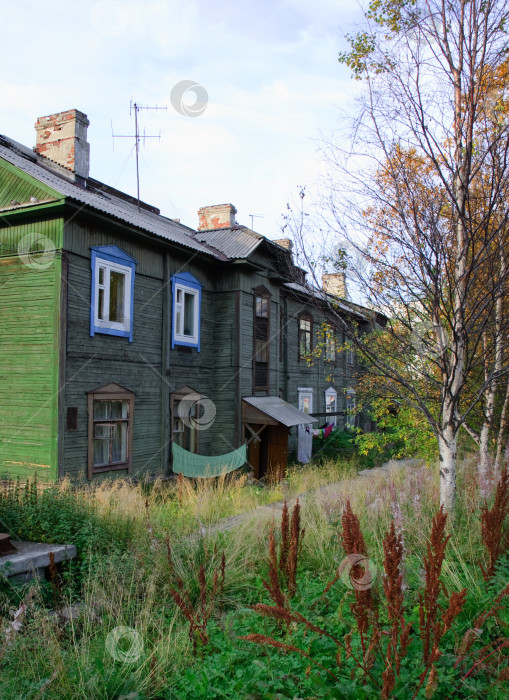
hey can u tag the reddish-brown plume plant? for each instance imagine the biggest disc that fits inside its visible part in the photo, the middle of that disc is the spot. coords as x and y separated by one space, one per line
285 538
492 523
434 622
282 583
428 601
353 543
399 635
198 613
273 586
352 538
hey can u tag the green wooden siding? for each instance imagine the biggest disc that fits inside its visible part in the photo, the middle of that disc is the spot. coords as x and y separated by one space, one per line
29 357
18 186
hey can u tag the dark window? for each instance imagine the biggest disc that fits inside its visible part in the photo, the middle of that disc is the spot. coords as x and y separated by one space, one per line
330 344
261 340
305 335
186 410
281 333
110 415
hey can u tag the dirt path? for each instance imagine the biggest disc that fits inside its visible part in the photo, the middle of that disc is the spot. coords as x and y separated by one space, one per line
336 487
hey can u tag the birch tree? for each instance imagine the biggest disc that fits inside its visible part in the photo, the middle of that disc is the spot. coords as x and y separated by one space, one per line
408 197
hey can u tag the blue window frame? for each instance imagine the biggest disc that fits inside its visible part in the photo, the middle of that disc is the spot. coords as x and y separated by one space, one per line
186 306
111 308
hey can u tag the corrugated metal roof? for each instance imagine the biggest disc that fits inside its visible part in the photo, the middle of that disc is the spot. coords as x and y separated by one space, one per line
234 242
320 294
280 410
105 202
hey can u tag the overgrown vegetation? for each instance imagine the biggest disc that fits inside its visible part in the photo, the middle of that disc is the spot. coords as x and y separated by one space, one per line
285 605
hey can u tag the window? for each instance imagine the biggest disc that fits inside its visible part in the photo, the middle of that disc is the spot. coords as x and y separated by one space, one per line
281 333
305 399
110 416
261 339
112 292
186 410
350 359
305 333
330 344
350 409
186 293
331 405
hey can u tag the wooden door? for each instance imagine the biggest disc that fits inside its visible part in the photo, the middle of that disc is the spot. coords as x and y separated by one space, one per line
277 452
253 455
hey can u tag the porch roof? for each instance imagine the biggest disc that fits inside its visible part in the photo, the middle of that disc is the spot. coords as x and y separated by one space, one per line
279 410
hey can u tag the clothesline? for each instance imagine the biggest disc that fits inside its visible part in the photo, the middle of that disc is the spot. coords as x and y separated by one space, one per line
322 432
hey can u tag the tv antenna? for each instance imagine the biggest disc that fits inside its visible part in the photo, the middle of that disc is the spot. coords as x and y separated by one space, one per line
254 216
135 107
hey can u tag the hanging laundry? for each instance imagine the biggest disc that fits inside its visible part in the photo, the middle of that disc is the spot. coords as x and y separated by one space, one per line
305 444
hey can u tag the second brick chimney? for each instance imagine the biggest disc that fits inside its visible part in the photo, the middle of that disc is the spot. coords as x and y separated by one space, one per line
285 243
62 138
335 284
217 216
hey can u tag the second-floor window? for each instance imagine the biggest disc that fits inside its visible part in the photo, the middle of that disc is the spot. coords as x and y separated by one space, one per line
261 339
112 292
186 293
305 335
330 344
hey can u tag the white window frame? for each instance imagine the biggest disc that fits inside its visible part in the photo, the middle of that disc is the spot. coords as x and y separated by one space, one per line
332 420
108 267
178 334
305 392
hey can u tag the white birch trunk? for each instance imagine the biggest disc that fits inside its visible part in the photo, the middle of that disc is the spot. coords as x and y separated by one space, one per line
484 461
447 444
501 430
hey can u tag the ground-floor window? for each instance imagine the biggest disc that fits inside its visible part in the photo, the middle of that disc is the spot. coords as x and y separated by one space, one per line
186 413
110 418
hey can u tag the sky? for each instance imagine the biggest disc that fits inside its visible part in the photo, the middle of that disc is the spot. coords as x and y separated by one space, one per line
269 71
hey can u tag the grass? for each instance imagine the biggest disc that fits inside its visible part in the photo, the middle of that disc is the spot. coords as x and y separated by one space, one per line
123 579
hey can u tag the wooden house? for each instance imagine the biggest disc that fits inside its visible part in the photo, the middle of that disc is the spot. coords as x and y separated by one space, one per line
113 317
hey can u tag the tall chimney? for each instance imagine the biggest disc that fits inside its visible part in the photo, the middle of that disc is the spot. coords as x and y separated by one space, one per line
217 216
335 284
62 138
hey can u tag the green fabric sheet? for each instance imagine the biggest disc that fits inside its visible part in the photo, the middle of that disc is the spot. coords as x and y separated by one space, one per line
200 467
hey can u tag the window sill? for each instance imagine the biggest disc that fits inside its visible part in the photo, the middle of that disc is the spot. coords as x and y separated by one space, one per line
112 331
110 468
186 344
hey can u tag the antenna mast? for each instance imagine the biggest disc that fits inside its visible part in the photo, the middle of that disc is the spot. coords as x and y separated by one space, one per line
135 107
254 216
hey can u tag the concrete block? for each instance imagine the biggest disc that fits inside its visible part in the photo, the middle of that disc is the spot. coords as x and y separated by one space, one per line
33 557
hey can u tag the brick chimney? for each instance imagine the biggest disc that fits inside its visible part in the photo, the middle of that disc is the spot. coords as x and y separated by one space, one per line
217 216
62 138
335 284
285 243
